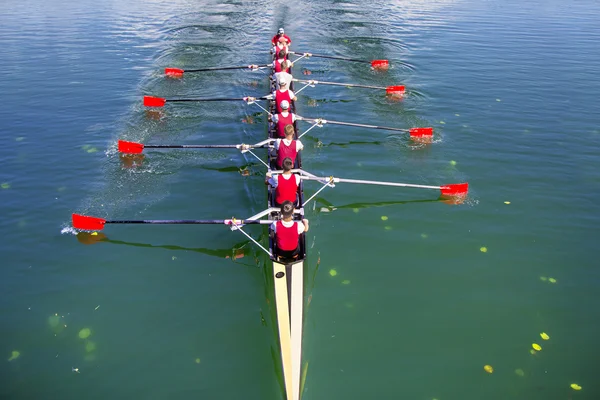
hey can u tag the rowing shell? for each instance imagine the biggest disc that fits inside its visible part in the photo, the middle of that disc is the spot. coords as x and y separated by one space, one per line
288 278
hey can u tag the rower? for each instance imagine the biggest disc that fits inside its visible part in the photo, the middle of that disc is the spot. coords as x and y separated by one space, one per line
281 45
283 93
282 72
288 147
285 184
283 118
279 35
287 232
280 57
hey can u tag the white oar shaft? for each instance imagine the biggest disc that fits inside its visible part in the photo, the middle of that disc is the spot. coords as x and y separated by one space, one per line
299 58
239 228
326 121
308 130
312 82
261 107
342 180
259 159
317 192
302 88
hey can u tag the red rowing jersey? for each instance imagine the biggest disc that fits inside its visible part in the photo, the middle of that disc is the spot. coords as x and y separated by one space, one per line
278 48
286 189
287 238
277 65
279 97
282 122
286 151
276 39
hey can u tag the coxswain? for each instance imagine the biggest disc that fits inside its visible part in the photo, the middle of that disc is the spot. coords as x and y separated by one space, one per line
280 35
288 147
283 93
283 118
287 232
285 184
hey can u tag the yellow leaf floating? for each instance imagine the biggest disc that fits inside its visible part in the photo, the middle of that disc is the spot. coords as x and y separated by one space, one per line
543 278
197 361
384 218
452 162
488 368
544 336
14 355
85 333
575 386
332 272
552 280
536 347
483 249
507 202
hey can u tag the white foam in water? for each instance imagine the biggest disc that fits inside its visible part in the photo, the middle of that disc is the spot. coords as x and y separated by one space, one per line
69 229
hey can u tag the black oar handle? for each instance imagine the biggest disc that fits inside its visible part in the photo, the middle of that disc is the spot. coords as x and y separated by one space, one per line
188 221
191 146
340 84
222 68
332 57
387 128
214 99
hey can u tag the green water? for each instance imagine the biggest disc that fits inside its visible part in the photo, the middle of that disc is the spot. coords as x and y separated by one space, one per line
424 293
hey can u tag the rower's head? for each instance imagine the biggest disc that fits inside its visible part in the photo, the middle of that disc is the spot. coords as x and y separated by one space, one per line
283 85
280 31
287 164
287 209
289 131
281 53
285 65
285 105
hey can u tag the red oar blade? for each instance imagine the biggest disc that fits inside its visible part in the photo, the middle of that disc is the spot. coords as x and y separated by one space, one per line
395 90
455 190
151 101
420 132
174 72
130 147
380 64
88 223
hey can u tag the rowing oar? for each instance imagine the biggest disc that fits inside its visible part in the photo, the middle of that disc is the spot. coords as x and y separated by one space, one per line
87 223
178 72
450 190
136 148
380 64
424 133
151 101
398 89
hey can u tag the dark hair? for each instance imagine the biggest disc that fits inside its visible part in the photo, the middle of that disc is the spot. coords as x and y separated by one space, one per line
287 164
290 130
281 53
287 209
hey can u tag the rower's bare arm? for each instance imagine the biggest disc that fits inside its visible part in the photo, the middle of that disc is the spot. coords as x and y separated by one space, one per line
305 222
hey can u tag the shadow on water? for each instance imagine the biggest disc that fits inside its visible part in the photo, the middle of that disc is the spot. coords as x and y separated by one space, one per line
331 207
236 252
